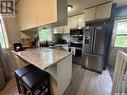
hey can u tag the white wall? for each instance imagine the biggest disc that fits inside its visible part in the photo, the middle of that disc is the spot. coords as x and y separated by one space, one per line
11 25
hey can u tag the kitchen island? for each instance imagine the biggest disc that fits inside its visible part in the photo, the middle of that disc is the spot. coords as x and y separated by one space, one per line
56 62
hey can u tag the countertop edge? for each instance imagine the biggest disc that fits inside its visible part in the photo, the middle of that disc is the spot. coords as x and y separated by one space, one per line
54 63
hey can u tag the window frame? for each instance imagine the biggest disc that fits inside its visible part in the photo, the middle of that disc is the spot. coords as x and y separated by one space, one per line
115 32
4 33
51 32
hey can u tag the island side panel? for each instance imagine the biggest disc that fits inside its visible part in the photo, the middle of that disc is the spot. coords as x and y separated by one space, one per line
52 70
18 62
64 74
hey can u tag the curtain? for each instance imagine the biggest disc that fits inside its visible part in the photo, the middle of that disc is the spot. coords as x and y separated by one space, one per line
2 78
4 64
4 29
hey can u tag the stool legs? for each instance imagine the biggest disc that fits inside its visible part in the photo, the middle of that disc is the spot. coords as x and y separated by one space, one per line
17 82
49 92
21 88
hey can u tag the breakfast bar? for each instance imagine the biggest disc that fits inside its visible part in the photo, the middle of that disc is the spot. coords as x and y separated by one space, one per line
58 63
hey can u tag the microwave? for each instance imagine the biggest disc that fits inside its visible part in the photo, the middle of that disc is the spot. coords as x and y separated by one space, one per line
76 32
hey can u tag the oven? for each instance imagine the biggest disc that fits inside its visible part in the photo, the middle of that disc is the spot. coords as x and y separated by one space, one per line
76 45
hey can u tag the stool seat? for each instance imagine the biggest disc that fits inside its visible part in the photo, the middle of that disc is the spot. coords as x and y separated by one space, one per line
36 81
32 79
23 71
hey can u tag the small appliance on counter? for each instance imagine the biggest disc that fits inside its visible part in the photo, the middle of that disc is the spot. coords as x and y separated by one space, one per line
26 42
18 47
44 44
60 41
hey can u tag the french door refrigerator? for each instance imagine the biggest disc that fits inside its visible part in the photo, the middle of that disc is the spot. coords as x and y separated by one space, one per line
94 46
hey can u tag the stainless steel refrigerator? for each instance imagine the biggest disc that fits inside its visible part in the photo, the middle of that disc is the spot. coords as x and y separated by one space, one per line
94 46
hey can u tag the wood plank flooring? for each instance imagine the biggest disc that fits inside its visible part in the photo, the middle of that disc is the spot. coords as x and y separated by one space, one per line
84 82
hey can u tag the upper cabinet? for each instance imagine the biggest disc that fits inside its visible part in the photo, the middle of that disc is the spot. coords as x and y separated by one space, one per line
102 11
61 30
90 14
81 21
26 14
76 21
72 22
46 11
35 13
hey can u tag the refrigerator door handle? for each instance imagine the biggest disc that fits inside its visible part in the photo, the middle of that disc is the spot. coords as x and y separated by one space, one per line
92 40
94 44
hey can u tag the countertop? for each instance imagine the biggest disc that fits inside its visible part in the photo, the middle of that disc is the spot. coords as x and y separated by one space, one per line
42 57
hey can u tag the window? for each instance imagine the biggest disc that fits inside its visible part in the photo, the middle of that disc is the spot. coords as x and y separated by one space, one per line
3 41
45 34
121 33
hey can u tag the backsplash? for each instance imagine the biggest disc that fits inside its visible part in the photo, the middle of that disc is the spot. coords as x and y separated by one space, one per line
28 34
66 37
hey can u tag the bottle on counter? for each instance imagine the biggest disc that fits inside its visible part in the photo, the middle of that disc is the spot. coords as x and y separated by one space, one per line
36 43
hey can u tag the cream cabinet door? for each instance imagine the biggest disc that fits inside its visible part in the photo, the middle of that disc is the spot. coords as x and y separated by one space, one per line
58 30
27 14
46 11
90 14
104 11
73 22
17 63
66 29
81 21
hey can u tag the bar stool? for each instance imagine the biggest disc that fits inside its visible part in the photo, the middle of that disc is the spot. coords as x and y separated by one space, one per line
36 83
30 79
19 73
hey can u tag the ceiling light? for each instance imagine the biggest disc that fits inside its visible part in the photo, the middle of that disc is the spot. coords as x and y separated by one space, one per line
70 8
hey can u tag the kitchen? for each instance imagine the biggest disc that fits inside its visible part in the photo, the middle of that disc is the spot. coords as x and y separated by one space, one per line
75 33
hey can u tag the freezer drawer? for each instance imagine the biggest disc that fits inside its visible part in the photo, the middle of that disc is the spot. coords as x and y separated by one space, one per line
93 62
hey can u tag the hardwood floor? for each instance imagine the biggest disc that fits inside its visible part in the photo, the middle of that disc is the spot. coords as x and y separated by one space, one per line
84 82
10 88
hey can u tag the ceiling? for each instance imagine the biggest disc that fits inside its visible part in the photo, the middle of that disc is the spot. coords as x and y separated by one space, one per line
80 5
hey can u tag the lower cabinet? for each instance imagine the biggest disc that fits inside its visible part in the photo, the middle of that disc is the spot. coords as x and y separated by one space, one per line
18 63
